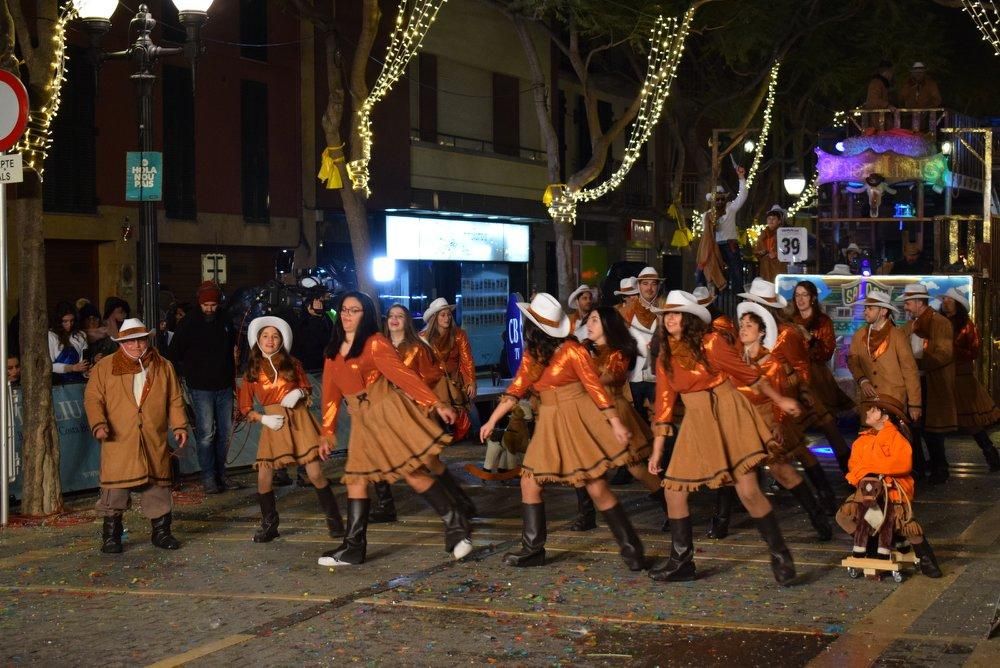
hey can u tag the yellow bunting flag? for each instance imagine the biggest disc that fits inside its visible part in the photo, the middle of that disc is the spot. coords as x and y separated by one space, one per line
553 191
328 171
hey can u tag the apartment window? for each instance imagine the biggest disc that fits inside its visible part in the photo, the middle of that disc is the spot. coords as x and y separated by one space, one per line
70 185
506 115
178 144
254 163
253 29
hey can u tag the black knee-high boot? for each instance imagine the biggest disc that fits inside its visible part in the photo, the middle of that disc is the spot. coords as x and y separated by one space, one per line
990 453
533 535
328 502
111 535
457 531
268 530
824 491
384 508
629 545
586 515
352 550
457 494
725 500
928 563
680 566
805 497
161 533
781 559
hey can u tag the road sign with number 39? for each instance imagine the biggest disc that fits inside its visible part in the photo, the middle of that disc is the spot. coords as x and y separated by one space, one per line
793 244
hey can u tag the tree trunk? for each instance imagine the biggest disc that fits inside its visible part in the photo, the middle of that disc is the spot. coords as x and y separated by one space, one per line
41 487
356 210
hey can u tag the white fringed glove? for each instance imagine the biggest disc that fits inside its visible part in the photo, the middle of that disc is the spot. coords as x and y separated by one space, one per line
292 398
273 422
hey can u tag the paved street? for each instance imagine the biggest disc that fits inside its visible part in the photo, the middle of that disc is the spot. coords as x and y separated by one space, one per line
222 600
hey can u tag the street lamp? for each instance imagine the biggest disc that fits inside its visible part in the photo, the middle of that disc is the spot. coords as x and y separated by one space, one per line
795 182
96 17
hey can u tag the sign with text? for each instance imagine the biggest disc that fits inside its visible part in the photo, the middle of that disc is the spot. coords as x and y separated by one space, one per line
513 341
412 238
213 267
793 244
143 176
10 169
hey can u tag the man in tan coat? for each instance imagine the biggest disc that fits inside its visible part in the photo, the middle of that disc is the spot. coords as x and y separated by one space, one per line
880 358
132 398
931 338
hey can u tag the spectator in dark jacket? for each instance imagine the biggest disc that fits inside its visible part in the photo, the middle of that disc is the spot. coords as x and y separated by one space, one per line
202 350
311 334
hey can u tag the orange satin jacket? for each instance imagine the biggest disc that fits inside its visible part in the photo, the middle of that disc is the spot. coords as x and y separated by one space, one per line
885 452
823 343
571 363
689 375
378 358
725 324
967 343
457 359
268 392
791 349
776 373
419 358
612 366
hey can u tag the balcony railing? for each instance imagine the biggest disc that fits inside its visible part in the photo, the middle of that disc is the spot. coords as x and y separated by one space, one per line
477 146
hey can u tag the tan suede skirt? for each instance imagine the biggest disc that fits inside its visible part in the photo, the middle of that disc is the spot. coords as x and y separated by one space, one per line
721 436
976 408
641 444
784 449
297 442
390 435
573 441
450 392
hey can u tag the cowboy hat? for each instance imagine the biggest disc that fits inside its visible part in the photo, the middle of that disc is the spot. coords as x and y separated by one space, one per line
888 404
575 295
958 296
914 291
131 329
628 287
770 325
648 274
678 301
839 270
718 191
438 304
776 210
763 292
876 297
852 247
918 66
705 296
258 324
546 312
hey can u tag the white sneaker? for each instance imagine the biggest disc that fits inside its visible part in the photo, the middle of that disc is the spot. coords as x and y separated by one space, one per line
463 549
332 561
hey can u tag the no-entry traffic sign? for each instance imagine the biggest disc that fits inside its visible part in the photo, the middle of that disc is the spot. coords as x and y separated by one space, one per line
13 109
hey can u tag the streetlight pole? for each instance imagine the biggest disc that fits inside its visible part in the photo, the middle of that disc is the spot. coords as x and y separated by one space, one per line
96 15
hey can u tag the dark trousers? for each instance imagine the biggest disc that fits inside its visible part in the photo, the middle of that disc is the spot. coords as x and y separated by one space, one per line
641 393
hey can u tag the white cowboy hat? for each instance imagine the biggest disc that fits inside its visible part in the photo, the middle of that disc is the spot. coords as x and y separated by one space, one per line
770 325
648 274
546 312
131 329
876 297
914 291
704 295
257 324
918 66
628 287
678 301
716 192
438 304
839 270
957 296
852 247
575 295
777 211
764 292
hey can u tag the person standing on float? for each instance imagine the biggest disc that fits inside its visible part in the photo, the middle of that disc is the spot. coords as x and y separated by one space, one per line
578 434
277 381
392 435
453 355
722 438
977 412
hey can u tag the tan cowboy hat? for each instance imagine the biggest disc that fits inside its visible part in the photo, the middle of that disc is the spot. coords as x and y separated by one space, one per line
628 287
438 304
776 210
958 296
648 274
876 297
770 325
257 324
839 270
763 292
679 301
131 329
546 312
852 247
918 66
575 295
889 404
914 291
705 296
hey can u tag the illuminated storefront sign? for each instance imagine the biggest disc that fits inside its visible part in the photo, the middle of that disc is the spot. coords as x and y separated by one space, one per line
411 238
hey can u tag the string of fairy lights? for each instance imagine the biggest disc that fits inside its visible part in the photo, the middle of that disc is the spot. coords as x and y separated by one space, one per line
667 39
412 24
986 16
36 140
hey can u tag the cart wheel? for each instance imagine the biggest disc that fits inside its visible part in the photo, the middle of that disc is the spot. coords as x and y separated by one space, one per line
853 573
897 576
